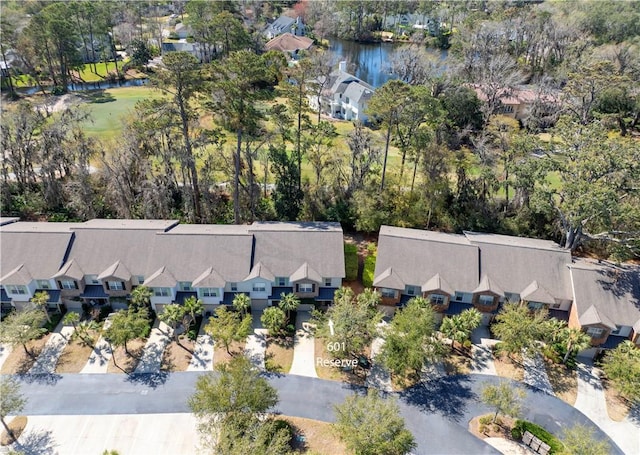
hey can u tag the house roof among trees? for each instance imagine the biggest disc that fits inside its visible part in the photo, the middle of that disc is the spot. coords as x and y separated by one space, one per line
284 247
417 255
288 42
514 262
613 291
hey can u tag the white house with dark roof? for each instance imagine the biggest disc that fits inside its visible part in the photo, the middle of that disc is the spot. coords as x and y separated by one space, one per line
346 96
285 24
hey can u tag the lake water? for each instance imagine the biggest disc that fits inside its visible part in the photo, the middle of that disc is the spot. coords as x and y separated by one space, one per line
369 61
99 85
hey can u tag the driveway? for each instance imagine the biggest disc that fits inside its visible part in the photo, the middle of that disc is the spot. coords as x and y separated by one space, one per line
436 412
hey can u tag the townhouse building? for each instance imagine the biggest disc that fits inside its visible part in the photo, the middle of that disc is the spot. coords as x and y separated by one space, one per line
475 270
100 262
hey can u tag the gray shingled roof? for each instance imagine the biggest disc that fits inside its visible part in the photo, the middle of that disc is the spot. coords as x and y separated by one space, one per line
41 254
260 271
189 250
514 262
284 247
305 272
209 279
358 92
95 249
416 256
606 293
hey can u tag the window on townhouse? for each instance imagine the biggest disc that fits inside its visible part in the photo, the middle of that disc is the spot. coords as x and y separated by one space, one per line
595 332
16 289
161 292
282 281
305 287
616 331
44 284
68 284
458 297
259 287
233 286
92 279
486 300
389 293
115 285
209 292
327 282
140 279
436 299
184 285
411 290
536 305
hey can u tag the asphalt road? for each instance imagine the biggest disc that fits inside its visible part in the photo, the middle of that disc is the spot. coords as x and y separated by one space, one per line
437 412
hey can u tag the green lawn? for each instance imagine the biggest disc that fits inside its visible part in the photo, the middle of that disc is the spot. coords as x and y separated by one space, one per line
109 107
88 75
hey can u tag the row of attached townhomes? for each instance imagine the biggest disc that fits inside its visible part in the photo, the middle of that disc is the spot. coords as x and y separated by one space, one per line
100 261
460 271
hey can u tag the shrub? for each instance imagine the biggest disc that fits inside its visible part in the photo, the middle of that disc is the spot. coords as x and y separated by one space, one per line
485 420
351 261
522 426
55 319
369 270
194 328
104 312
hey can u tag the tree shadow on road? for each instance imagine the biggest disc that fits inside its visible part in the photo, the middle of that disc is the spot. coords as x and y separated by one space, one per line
41 378
35 443
152 380
447 396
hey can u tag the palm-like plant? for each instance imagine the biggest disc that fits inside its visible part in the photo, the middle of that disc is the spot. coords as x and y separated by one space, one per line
141 297
575 341
40 300
192 308
343 293
242 303
369 298
173 315
288 303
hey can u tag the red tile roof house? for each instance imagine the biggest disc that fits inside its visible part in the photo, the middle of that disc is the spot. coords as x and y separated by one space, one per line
101 261
460 271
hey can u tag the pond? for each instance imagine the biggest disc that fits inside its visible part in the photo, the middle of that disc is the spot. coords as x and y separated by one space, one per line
87 86
370 61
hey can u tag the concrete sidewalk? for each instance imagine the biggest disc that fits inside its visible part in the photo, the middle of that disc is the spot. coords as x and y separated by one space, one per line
159 338
5 350
138 434
378 376
303 348
591 402
481 352
99 359
535 373
202 358
48 358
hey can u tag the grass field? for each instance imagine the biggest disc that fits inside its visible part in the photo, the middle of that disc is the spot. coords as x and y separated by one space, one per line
108 108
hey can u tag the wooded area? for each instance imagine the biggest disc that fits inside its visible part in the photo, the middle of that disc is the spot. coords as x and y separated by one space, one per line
234 140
